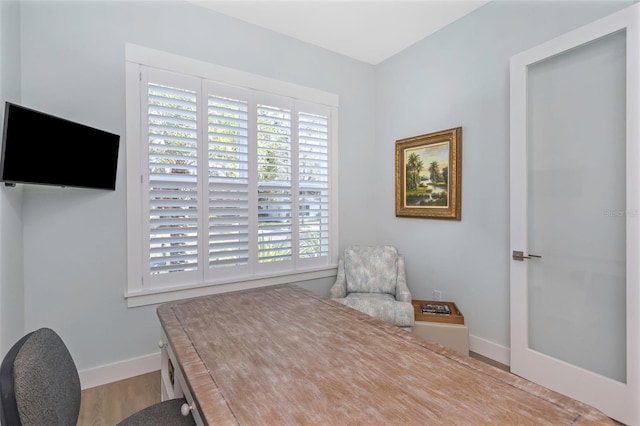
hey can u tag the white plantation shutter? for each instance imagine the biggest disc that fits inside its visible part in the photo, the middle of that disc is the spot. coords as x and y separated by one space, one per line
172 173
228 185
313 184
274 184
234 184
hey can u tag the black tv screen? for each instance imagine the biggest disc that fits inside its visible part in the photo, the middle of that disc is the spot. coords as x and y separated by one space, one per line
39 148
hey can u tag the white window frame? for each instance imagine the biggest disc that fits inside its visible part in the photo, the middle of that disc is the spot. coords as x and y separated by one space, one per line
137 57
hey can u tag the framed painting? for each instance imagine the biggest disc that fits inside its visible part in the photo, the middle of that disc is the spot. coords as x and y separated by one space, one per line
428 175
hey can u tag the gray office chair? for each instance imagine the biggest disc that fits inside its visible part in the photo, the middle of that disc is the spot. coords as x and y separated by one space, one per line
39 385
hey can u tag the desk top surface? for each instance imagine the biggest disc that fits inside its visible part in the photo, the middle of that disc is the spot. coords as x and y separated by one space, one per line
284 355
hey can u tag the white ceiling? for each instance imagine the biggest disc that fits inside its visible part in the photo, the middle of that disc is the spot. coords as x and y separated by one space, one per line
367 30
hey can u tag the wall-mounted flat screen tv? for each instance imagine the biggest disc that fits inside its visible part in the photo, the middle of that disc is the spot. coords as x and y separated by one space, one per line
40 148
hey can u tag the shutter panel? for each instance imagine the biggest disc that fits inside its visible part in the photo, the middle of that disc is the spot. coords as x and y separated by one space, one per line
313 184
228 182
173 195
274 184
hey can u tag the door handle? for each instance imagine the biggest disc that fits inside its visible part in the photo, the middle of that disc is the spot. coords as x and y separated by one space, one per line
518 255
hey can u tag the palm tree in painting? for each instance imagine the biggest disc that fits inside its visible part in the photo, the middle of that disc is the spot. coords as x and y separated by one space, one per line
434 172
414 166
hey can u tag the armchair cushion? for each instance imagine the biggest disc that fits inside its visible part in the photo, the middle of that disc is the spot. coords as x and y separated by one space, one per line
371 269
382 306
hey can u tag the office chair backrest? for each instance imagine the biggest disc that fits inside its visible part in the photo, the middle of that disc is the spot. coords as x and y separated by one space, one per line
39 382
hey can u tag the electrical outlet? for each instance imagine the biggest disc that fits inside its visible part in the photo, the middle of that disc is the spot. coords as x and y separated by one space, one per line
437 295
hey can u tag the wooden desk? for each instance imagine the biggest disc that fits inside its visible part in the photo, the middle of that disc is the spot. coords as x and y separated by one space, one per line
283 355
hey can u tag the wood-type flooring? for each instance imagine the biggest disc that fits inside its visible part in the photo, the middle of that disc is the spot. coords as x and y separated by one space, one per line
109 404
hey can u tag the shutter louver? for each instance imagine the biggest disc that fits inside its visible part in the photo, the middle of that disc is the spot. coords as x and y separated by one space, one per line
173 192
313 183
274 184
228 182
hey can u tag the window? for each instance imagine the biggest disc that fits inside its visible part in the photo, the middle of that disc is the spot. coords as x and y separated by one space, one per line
228 187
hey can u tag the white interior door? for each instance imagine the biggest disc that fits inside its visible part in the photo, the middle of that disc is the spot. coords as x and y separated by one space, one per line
575 215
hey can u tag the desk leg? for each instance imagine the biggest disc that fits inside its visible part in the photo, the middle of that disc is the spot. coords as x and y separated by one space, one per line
170 385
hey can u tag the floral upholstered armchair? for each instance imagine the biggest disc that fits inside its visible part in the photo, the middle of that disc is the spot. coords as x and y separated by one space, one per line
372 280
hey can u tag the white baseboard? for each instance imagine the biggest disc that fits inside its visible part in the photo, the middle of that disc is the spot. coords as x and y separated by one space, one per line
490 350
109 373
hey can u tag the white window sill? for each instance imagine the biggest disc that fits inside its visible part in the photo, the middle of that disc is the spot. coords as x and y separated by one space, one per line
162 295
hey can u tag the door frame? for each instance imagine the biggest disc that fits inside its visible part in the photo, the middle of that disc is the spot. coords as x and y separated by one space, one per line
617 400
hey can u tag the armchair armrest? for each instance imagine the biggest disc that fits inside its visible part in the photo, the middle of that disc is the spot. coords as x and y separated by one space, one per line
402 290
339 288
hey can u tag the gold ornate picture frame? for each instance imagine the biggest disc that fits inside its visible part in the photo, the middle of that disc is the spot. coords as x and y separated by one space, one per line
428 175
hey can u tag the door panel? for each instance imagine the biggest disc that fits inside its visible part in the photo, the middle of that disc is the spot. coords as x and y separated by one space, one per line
575 206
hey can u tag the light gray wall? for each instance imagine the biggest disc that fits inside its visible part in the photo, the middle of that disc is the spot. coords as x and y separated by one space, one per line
460 77
72 63
11 279
73 66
